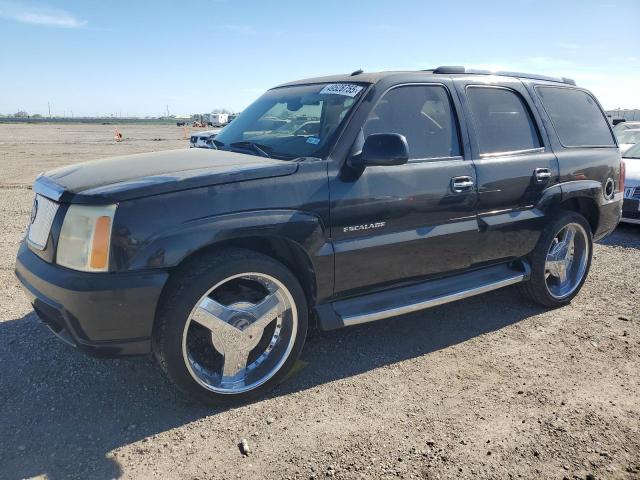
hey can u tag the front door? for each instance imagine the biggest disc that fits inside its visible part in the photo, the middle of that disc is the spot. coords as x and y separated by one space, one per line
396 223
514 165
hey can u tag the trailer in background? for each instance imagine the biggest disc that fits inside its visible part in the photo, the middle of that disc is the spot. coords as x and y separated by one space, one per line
217 119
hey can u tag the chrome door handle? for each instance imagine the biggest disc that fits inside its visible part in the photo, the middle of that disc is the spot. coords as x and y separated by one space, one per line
462 184
542 174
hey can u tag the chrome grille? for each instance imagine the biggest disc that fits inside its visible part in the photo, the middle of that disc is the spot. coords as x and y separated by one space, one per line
42 215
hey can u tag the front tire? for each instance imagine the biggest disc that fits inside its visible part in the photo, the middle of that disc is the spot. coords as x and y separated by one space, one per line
231 326
560 262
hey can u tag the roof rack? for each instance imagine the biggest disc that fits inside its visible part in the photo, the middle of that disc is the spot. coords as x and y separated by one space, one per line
460 69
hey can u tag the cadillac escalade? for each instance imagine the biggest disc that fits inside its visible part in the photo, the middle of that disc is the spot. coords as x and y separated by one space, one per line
412 190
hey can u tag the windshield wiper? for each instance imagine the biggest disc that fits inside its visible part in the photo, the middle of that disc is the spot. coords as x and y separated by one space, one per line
256 147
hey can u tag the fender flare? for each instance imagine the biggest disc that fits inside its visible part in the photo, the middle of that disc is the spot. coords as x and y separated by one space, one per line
170 247
561 192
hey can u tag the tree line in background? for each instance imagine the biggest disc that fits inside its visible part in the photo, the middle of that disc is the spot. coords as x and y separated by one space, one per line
23 114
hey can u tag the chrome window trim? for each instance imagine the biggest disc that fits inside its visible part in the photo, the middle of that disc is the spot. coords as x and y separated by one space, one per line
513 152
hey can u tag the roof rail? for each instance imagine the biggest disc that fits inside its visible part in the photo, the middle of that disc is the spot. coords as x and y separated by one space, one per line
460 69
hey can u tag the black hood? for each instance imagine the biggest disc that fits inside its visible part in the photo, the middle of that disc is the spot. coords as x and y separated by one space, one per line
133 176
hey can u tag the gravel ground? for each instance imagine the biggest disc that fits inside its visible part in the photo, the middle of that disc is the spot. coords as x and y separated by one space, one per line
490 387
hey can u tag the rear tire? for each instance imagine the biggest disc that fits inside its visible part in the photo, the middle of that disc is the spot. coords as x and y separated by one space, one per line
230 327
560 262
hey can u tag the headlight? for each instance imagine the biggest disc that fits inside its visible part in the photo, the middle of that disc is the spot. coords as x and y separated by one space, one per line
85 238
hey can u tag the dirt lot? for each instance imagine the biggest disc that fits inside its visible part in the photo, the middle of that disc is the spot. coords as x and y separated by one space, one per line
490 387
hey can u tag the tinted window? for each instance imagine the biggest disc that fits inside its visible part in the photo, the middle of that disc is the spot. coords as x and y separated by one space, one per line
576 117
422 113
503 122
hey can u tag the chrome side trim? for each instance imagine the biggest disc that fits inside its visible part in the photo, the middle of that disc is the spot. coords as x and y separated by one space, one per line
433 302
635 221
404 236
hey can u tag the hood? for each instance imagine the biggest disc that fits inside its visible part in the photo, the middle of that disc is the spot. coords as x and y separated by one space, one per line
206 133
133 176
632 172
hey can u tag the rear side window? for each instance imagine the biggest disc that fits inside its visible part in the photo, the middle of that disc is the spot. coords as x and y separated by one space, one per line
423 114
576 116
502 120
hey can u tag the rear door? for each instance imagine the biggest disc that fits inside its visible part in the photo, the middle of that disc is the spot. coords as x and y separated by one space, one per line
514 165
397 223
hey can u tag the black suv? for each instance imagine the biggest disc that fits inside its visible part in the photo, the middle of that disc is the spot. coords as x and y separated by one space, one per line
416 189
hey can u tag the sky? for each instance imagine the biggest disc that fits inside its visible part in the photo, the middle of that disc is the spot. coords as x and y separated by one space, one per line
135 58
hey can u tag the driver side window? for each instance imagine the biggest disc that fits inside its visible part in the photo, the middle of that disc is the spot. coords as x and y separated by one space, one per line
423 114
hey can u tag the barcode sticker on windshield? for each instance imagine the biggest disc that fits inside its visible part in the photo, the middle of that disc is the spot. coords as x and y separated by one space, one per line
346 89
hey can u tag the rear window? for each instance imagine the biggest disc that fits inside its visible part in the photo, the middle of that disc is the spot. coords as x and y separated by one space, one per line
576 116
502 121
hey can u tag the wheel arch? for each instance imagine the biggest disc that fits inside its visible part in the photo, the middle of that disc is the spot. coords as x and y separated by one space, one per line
286 251
583 197
586 207
296 239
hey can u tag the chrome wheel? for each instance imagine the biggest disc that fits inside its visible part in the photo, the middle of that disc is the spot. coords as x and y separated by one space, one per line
567 260
240 333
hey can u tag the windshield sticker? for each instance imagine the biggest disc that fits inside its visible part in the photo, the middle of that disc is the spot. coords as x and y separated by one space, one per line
346 89
313 140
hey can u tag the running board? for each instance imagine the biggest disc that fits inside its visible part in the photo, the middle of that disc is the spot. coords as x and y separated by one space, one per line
412 298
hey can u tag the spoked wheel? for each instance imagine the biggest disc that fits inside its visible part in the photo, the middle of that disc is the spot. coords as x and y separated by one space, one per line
231 327
567 260
561 260
240 333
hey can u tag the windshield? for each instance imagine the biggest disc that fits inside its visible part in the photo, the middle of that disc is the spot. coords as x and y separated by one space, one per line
291 122
629 136
633 152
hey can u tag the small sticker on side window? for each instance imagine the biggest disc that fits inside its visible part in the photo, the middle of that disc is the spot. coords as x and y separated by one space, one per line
347 89
313 140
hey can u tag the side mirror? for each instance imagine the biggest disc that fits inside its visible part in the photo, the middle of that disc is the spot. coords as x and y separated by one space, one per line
382 149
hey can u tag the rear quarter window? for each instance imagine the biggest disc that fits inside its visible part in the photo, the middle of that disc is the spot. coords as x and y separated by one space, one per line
576 117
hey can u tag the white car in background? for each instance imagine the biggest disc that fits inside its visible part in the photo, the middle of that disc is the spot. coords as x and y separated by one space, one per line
631 205
200 139
622 126
628 138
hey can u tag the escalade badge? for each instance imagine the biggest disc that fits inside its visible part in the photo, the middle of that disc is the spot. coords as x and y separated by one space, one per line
34 210
366 226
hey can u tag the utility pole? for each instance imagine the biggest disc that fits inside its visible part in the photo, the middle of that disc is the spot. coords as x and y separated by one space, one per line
167 109
49 107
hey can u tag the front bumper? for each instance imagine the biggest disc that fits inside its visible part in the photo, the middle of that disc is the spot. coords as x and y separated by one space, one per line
103 314
631 211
